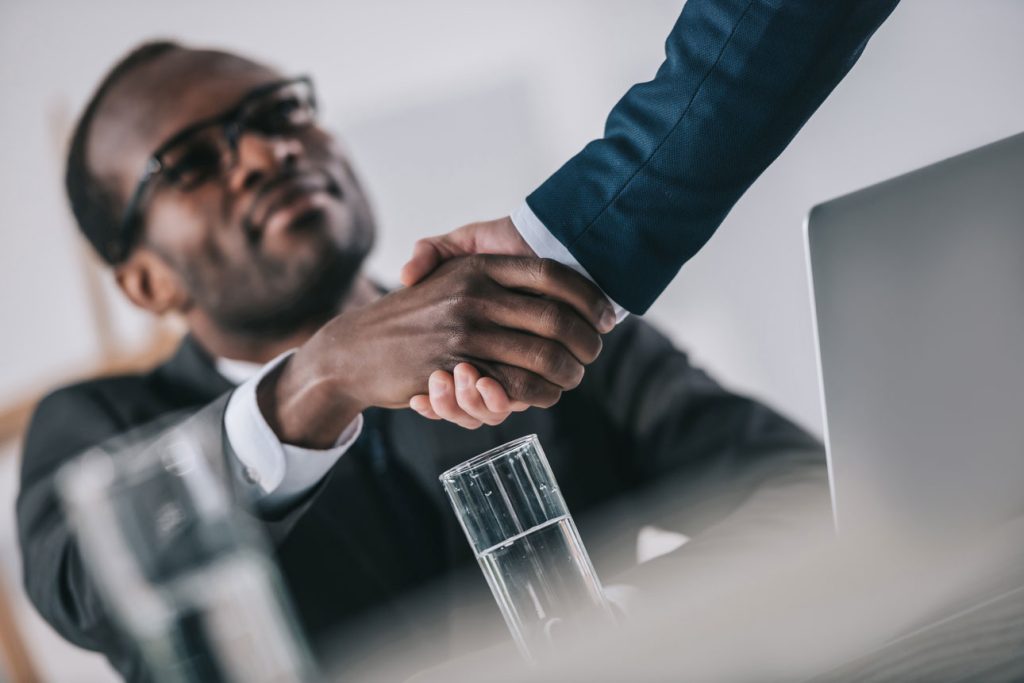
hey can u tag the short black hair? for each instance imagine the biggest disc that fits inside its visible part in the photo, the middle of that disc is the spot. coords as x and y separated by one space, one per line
95 205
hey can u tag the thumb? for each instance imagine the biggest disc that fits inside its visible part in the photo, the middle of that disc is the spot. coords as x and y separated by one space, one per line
425 258
498 236
429 252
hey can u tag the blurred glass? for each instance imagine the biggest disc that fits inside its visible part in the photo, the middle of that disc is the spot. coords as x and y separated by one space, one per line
526 542
186 577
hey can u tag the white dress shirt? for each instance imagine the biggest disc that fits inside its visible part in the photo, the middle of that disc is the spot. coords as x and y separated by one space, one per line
282 472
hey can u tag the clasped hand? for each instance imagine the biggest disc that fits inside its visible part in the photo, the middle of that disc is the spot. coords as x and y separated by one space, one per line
475 335
464 396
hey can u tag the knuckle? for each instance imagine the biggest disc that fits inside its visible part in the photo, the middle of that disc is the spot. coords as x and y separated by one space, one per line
577 335
517 384
545 269
448 359
472 285
591 346
463 304
495 419
557 365
593 303
530 267
456 303
442 410
576 373
548 398
459 335
546 359
460 288
598 305
475 263
553 320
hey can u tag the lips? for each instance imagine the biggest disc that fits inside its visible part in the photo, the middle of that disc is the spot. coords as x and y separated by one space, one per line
283 192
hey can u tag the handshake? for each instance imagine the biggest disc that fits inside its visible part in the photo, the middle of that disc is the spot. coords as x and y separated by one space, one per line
482 329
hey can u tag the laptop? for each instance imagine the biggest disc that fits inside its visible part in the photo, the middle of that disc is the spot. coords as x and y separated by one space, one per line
917 288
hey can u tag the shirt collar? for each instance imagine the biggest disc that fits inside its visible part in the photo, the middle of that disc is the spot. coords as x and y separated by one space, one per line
236 371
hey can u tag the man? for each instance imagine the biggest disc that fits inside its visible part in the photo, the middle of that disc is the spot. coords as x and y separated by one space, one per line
250 223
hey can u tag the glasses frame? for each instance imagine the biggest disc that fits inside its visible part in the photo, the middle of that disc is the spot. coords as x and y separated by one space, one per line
230 122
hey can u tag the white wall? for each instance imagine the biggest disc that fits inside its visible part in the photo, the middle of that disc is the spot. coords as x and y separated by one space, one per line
457 108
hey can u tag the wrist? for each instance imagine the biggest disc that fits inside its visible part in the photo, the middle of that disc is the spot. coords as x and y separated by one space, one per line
304 405
518 245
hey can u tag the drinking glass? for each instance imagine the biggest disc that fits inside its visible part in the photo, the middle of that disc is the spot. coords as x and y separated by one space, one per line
525 540
185 576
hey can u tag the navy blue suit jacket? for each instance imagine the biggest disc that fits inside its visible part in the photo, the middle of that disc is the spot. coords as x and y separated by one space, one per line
739 79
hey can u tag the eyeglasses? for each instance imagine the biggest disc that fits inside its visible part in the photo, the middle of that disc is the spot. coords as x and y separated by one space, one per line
207 149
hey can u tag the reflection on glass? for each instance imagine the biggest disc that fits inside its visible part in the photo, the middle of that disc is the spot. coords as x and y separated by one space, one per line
185 577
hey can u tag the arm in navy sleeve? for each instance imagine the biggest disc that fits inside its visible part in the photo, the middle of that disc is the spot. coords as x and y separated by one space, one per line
739 80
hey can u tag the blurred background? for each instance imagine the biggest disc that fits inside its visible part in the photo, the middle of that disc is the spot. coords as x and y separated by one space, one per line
455 110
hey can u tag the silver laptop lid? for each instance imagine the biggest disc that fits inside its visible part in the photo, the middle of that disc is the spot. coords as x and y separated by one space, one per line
918 294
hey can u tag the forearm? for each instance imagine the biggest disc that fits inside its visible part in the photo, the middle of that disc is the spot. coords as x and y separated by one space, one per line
739 80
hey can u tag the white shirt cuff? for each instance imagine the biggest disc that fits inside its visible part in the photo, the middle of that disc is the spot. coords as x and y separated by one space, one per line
282 472
546 245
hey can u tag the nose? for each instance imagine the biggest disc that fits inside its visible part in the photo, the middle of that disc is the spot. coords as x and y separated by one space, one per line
261 157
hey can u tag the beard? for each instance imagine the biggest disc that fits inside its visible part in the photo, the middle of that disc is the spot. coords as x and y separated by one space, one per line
270 297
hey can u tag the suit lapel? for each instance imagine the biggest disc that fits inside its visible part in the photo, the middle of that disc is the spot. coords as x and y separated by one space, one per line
190 374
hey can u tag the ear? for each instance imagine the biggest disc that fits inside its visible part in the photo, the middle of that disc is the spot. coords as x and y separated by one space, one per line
151 283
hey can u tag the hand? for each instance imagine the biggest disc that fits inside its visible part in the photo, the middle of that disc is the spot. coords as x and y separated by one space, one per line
465 397
484 309
487 237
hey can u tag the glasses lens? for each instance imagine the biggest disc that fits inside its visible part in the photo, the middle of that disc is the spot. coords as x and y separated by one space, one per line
285 110
195 159
206 153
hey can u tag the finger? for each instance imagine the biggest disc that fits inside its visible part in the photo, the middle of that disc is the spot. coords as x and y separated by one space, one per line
548 359
442 399
552 279
425 258
495 397
421 404
430 252
469 399
493 394
524 388
546 318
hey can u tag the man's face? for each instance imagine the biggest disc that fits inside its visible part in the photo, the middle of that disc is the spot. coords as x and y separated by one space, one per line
272 242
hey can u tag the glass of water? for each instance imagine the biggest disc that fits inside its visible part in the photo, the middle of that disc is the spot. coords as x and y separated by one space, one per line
186 577
526 542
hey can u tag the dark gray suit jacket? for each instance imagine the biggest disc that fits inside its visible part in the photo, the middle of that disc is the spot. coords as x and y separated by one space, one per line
377 527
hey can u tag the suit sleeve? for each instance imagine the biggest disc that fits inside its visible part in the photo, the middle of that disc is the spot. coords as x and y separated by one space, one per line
721 468
740 78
